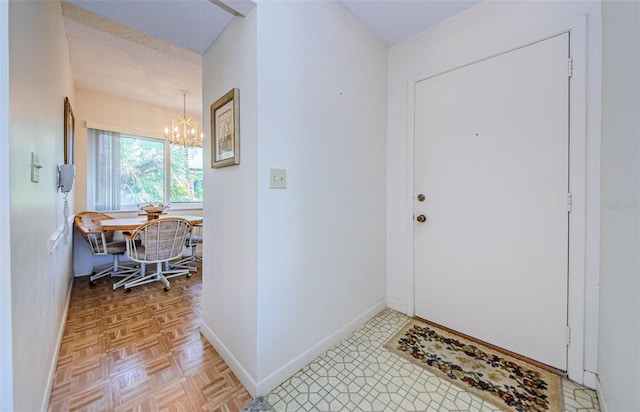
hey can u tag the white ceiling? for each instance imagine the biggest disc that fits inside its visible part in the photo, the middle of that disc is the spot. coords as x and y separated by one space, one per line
395 20
149 50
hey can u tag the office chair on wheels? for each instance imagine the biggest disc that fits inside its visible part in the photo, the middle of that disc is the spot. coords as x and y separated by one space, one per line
100 242
194 238
157 241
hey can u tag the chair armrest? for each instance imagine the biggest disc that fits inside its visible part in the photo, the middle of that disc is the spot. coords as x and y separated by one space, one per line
89 232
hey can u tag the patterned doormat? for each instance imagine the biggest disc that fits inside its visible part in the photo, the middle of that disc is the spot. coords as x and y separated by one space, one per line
506 382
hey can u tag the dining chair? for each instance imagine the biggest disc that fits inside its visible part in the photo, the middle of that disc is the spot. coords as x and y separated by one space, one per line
194 238
157 241
101 242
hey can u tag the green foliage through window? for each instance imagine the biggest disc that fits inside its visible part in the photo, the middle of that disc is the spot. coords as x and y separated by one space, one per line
141 171
130 170
186 174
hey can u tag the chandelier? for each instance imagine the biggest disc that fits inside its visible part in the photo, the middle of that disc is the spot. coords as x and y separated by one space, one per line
184 131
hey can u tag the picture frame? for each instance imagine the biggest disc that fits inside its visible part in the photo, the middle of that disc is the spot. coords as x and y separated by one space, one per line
69 131
225 130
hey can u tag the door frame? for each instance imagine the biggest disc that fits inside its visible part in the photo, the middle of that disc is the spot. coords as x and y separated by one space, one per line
577 29
6 345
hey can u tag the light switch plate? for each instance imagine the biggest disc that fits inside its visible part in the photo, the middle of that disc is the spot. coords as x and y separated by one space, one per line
277 178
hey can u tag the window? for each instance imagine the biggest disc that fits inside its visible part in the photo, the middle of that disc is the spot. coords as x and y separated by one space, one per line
132 169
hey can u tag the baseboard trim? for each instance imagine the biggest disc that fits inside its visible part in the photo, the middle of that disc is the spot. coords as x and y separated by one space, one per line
264 386
590 380
601 400
56 354
397 305
241 373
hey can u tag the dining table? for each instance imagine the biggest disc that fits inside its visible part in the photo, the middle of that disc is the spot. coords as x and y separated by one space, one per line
132 223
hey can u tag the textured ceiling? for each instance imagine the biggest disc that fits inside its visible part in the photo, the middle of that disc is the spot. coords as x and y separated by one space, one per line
112 58
149 50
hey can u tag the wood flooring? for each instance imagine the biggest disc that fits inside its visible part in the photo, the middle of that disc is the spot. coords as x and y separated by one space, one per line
141 351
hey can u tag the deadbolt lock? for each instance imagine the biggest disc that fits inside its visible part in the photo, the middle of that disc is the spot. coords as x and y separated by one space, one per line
421 218
421 197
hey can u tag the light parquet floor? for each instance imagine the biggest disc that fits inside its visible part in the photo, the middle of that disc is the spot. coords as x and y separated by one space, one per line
141 351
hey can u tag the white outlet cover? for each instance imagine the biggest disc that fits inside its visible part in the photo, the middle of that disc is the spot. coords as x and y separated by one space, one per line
277 178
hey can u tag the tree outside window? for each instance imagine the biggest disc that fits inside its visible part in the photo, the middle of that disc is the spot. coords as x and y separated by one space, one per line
131 169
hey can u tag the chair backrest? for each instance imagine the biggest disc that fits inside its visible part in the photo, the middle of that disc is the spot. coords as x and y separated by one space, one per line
195 236
88 224
158 240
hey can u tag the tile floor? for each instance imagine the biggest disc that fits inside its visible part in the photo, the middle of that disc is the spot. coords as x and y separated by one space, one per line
360 375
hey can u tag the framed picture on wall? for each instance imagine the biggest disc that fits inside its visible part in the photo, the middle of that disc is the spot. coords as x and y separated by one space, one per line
225 130
69 131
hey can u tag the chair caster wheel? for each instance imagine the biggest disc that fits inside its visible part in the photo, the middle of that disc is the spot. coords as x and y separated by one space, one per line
166 289
92 283
188 275
127 290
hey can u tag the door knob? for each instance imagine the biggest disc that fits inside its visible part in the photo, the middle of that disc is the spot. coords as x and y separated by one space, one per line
421 218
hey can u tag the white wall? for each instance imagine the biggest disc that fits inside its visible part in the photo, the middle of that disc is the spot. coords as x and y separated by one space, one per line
229 278
321 241
40 78
619 360
485 29
289 272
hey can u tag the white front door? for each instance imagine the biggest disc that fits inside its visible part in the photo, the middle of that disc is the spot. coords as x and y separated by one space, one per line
491 159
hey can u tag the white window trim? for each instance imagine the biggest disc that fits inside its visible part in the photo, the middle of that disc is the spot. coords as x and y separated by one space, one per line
124 130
